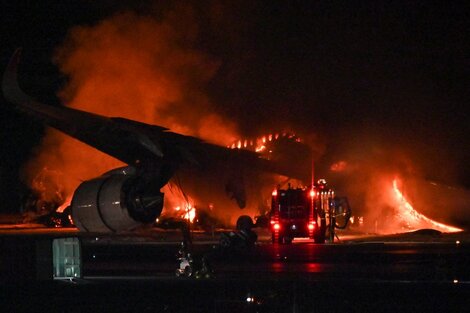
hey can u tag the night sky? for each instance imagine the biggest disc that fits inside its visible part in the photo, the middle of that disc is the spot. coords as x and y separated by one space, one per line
357 74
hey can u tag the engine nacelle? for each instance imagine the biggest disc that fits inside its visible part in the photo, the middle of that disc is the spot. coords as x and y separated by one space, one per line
116 201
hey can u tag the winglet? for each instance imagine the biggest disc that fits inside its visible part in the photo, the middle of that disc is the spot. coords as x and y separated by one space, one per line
11 90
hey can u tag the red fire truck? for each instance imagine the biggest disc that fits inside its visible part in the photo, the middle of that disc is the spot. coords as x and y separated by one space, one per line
307 212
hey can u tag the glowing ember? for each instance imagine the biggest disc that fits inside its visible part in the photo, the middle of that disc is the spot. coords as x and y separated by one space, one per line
188 212
415 220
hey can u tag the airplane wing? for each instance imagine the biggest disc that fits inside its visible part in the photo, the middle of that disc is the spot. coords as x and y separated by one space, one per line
154 151
129 141
115 137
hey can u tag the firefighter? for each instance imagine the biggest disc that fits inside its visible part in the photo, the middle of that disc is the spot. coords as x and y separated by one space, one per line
185 266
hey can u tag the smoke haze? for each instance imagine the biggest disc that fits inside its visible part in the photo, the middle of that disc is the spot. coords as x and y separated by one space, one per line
135 67
365 108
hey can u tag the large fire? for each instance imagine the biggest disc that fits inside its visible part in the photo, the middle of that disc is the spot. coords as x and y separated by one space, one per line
259 144
187 211
134 67
413 219
373 181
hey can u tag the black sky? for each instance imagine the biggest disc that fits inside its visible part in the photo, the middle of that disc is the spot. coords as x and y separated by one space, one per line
396 73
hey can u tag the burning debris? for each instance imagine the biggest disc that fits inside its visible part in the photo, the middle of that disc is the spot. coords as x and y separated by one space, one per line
188 212
45 203
47 192
405 213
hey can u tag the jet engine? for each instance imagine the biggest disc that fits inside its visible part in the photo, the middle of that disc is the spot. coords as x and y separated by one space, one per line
119 200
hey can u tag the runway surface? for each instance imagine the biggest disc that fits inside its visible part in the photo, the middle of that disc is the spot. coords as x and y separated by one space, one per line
418 272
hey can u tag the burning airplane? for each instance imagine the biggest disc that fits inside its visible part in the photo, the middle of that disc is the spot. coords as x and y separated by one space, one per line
391 200
129 196
190 173
413 219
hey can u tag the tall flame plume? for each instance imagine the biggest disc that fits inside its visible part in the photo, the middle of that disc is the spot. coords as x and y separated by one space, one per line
414 219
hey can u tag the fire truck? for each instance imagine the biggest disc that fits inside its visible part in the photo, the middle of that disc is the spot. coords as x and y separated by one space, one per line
314 212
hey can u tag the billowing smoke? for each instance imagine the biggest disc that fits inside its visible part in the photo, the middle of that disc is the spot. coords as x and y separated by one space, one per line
132 66
148 69
387 187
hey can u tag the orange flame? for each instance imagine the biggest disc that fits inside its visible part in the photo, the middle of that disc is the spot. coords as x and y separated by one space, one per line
64 205
260 143
414 219
188 212
134 67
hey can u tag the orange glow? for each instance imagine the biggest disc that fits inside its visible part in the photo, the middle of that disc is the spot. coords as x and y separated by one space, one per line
67 202
338 166
415 220
260 148
261 144
188 212
274 193
312 193
161 82
276 226
178 203
311 226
